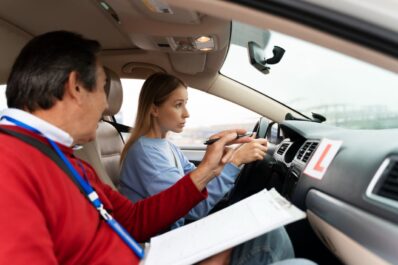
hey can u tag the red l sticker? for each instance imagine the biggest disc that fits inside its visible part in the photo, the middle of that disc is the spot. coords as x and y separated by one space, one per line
318 166
322 157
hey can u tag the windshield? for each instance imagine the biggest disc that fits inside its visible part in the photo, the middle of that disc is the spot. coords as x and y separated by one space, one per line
348 92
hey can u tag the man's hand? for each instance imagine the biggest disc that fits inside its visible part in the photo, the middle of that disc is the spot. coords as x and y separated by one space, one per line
217 155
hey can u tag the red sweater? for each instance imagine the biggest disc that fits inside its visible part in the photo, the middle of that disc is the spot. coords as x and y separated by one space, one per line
44 218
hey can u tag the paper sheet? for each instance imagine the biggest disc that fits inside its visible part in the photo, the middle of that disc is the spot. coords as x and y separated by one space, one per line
247 219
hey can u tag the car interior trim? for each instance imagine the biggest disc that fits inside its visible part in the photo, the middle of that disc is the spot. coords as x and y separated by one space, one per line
348 250
381 236
370 192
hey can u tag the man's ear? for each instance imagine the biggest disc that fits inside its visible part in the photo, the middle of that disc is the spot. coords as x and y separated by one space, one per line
73 88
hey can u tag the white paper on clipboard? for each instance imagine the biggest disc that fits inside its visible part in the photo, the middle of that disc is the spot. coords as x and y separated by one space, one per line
247 219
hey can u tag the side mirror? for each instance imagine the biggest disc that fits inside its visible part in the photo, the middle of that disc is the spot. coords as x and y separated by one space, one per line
257 56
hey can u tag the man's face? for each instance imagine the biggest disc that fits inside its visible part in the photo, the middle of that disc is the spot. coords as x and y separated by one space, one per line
95 104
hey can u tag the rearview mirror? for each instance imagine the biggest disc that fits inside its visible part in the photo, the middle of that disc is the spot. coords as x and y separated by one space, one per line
257 56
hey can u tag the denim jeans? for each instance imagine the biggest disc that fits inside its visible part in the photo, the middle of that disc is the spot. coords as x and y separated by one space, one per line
272 247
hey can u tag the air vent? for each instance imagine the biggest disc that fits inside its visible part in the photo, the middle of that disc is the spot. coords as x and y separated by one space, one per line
282 149
309 152
306 151
389 187
302 150
384 186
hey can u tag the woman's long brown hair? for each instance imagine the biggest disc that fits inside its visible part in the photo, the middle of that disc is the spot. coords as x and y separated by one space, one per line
155 90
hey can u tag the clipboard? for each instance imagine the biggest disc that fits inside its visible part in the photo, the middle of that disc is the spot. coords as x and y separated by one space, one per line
245 220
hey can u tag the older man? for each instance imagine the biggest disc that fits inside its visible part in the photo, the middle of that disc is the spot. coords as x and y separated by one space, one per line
54 208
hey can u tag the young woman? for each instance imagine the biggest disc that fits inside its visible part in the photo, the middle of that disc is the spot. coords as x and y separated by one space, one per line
150 163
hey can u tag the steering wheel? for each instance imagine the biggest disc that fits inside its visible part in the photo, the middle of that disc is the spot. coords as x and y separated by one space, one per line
261 128
254 176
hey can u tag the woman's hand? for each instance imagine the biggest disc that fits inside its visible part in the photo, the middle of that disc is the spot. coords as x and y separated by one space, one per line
216 156
249 152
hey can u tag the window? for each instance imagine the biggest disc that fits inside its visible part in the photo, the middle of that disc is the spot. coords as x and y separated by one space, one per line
128 110
208 114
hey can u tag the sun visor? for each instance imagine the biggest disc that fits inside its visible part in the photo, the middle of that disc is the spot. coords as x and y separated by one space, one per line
188 63
141 70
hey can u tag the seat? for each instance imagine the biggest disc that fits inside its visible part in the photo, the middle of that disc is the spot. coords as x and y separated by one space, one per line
89 152
109 140
104 153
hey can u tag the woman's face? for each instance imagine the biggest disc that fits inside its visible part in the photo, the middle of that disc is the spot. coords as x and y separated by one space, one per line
171 115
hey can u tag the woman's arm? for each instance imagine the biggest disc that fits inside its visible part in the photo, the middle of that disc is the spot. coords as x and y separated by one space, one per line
218 187
150 216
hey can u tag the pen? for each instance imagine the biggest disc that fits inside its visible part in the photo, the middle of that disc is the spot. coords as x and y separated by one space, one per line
211 141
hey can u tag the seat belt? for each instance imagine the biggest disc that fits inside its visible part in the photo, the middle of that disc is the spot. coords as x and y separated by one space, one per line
119 127
44 149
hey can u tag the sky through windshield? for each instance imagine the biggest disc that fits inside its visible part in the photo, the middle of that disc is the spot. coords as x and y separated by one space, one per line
311 78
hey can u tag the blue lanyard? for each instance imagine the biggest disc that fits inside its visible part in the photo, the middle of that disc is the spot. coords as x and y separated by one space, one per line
90 193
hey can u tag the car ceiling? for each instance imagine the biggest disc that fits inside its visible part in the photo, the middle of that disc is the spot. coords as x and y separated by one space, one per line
131 47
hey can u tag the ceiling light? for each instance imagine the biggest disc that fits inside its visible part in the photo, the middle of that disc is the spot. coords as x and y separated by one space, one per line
157 6
204 43
203 39
192 44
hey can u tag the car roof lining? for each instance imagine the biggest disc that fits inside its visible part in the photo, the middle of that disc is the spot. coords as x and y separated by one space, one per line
136 37
120 50
138 28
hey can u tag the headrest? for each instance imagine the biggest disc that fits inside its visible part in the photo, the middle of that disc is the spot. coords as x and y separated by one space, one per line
114 92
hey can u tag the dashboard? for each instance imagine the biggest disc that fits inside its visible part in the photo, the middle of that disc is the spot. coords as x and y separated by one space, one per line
358 193
353 208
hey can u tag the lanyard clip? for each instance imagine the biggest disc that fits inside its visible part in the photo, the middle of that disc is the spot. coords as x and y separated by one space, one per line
104 213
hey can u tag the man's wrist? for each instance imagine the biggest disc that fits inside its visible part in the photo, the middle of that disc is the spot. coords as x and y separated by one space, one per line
201 176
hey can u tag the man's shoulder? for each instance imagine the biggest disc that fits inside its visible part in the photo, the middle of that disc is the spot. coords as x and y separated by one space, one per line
12 143
17 150
20 160
7 138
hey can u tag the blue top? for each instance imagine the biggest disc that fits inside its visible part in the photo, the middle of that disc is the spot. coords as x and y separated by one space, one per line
152 165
